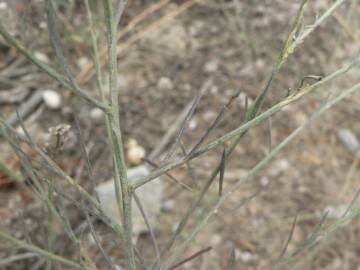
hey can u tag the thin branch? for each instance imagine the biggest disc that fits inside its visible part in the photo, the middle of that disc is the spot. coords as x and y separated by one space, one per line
153 238
197 254
222 171
37 250
18 257
291 233
232 260
188 116
152 163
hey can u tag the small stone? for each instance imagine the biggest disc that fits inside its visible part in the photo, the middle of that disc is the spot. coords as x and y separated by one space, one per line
20 131
279 167
41 56
264 181
210 115
150 196
193 124
43 25
135 152
118 267
3 5
122 82
215 240
214 89
211 66
165 84
348 138
52 99
246 257
336 211
82 62
168 205
97 115
242 98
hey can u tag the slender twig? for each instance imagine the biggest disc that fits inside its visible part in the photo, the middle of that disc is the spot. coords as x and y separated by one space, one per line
18 257
37 250
232 260
188 116
197 254
149 227
97 239
291 233
152 163
222 172
214 125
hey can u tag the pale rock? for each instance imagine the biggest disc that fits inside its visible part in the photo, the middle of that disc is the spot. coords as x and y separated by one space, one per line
336 211
52 99
168 205
43 25
210 115
264 181
211 66
41 56
135 152
122 82
245 256
215 240
97 115
3 5
82 62
349 139
214 89
20 131
165 83
279 167
242 100
196 27
174 38
193 124
91 239
118 267
150 196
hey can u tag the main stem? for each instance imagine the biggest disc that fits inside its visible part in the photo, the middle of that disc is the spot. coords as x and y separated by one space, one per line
122 187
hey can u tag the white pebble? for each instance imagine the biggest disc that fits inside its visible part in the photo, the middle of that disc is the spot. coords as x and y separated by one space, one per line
211 66
41 56
216 240
242 98
165 84
193 124
97 115
279 167
348 138
247 257
82 62
168 205
52 99
3 5
135 152
43 25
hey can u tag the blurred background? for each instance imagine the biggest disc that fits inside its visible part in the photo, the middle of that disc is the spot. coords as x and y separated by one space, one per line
167 50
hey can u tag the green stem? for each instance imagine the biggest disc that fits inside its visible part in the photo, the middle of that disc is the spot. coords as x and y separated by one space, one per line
122 186
35 249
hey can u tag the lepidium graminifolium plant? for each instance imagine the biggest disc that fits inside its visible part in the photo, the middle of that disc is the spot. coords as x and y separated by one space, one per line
169 255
